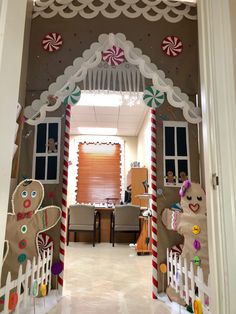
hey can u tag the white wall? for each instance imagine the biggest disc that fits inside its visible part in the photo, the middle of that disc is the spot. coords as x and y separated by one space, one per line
12 30
232 4
130 155
219 116
144 145
130 151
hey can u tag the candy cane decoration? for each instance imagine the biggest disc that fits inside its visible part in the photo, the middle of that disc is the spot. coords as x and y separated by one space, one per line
154 202
64 191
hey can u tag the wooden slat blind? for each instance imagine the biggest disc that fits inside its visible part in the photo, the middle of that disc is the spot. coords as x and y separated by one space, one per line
98 172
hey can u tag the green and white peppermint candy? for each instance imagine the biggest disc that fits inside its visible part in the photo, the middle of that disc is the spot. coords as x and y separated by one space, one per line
73 98
152 97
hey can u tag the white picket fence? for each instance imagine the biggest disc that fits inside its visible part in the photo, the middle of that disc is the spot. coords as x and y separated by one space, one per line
185 282
23 285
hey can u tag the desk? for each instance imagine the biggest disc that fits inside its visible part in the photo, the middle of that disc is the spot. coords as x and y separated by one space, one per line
111 201
105 214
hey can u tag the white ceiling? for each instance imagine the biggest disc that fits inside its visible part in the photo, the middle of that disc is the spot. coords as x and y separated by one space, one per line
127 119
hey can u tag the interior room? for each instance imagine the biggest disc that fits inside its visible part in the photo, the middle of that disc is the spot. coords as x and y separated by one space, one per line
115 173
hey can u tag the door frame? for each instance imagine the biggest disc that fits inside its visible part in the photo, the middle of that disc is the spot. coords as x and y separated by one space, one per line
217 92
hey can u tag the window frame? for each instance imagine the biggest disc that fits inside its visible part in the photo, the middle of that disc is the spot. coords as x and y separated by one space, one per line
176 158
48 121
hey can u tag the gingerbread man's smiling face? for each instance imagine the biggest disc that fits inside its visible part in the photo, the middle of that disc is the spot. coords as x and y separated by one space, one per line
194 200
27 197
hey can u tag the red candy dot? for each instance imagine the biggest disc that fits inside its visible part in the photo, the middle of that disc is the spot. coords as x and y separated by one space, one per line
13 299
22 244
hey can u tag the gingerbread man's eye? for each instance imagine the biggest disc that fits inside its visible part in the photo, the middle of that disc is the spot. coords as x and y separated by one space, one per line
189 198
24 194
199 198
33 194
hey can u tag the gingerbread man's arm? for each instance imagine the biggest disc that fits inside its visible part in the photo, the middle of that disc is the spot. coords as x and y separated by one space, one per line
11 219
46 218
170 219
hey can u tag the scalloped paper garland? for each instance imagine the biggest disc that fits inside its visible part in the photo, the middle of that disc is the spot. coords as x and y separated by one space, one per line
172 11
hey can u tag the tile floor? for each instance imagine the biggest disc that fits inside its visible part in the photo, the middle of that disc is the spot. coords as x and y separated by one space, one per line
107 280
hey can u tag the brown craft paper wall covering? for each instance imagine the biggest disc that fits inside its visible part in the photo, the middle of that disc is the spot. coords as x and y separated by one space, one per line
78 34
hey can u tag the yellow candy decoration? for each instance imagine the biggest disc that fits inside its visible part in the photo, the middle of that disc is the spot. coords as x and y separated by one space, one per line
43 290
197 305
163 268
196 229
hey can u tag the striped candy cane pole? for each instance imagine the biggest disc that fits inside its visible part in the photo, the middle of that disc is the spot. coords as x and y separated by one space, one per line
64 190
154 202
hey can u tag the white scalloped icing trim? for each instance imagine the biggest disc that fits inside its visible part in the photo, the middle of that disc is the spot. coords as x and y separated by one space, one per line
151 10
75 73
74 153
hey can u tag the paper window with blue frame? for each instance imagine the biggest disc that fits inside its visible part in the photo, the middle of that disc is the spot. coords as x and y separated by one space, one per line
176 153
47 151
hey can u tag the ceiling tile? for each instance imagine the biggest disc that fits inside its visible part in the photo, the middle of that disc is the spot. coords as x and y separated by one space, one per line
107 124
106 110
82 110
83 118
107 117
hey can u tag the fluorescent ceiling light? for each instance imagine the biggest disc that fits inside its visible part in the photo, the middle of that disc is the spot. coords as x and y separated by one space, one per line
109 99
97 131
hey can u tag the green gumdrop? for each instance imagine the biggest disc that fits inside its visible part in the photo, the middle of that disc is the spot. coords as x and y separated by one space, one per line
189 308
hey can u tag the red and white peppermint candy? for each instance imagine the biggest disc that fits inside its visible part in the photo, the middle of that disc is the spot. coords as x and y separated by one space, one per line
52 42
177 249
113 56
172 46
45 242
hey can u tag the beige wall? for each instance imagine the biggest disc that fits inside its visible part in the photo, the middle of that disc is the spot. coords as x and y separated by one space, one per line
233 30
144 144
130 151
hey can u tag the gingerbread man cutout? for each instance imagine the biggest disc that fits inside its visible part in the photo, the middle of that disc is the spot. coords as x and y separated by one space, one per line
192 224
52 146
24 224
170 178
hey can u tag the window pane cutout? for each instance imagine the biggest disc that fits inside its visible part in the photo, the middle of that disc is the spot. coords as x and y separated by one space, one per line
47 151
41 140
176 153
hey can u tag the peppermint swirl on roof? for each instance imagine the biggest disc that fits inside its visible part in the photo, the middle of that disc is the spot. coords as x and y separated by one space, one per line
52 42
152 97
113 56
172 46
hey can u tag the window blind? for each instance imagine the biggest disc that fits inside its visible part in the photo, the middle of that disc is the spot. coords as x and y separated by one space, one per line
98 172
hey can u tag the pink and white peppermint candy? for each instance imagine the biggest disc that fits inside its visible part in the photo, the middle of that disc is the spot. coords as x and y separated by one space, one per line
172 46
52 42
45 242
113 56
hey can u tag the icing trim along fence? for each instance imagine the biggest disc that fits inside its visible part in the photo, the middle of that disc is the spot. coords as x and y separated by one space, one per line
185 282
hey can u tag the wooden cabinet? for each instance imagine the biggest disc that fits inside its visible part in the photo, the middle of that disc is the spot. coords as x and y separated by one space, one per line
135 179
